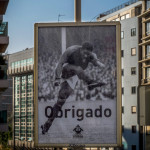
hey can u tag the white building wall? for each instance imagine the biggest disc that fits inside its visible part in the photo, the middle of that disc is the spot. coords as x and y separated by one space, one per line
128 81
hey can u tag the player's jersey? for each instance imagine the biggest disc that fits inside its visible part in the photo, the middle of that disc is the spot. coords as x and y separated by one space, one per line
73 56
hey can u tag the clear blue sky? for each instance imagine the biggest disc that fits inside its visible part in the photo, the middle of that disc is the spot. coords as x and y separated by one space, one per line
22 14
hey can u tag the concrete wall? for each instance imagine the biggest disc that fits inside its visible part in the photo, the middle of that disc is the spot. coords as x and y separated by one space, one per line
128 81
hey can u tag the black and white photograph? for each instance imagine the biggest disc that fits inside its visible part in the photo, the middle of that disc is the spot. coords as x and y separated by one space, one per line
77 85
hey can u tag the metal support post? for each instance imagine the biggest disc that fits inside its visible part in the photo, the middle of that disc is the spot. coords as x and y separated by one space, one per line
77 10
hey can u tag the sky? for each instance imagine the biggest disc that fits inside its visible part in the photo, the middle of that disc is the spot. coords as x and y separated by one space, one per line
21 16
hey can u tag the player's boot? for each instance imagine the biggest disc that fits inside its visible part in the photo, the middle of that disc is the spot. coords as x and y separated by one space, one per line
95 84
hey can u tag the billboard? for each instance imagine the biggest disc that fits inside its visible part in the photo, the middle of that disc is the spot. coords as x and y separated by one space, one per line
77 84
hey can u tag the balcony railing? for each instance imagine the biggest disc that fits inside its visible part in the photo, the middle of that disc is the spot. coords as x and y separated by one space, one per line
23 69
145 81
119 7
3 72
4 29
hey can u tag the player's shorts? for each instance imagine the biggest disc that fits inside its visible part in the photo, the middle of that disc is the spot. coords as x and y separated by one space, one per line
69 76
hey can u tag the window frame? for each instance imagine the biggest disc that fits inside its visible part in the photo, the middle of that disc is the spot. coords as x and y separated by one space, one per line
132 90
134 129
132 109
132 54
132 71
133 32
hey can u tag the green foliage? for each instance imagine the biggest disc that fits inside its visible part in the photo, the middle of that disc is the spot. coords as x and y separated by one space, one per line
5 136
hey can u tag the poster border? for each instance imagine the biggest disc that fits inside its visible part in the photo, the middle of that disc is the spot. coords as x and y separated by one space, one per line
119 98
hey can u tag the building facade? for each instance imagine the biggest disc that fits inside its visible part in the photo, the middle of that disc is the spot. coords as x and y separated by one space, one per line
5 83
144 77
127 14
21 70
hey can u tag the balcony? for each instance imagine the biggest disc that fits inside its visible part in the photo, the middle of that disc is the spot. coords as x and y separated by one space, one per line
3 6
19 143
145 81
3 77
20 70
4 39
145 43
145 13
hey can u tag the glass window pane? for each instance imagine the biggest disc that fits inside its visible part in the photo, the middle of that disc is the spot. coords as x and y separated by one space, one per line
148 28
122 34
148 51
127 16
122 17
133 32
117 19
133 51
147 4
133 109
148 73
133 70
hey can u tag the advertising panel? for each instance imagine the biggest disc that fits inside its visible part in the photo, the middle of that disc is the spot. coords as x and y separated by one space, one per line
77 84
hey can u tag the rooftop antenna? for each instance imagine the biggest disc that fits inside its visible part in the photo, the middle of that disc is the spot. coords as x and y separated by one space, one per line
59 17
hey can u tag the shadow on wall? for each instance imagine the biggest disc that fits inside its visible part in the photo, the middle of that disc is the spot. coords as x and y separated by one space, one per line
131 139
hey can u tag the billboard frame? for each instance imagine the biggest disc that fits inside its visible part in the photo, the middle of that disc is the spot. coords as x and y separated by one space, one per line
119 98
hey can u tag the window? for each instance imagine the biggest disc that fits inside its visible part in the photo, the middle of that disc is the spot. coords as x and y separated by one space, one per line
3 116
23 62
122 34
133 90
122 17
16 127
122 110
147 4
148 51
133 51
29 61
133 129
122 53
22 127
122 72
133 109
133 70
117 19
133 147
148 130
133 32
127 16
147 73
122 128
148 28
13 65
122 90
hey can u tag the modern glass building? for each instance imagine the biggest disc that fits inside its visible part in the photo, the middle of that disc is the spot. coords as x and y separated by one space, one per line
21 70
